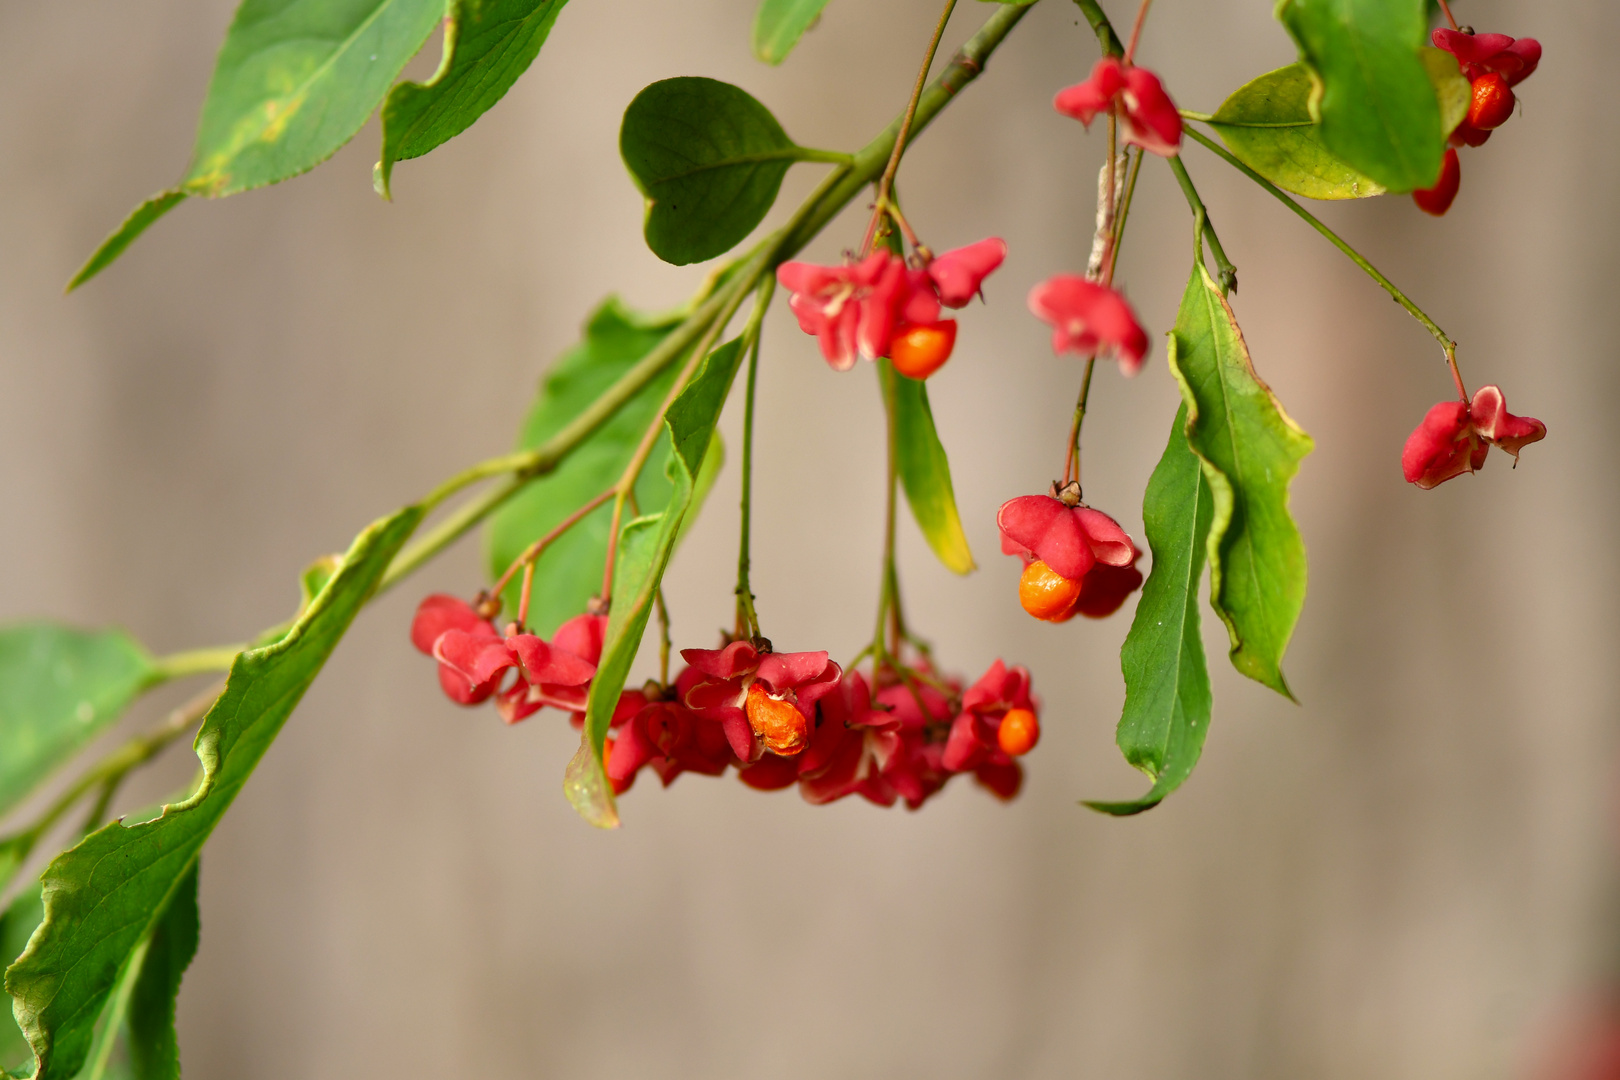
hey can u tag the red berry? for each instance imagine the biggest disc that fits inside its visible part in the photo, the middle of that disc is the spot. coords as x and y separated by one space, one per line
920 350
1018 733
1492 102
1438 199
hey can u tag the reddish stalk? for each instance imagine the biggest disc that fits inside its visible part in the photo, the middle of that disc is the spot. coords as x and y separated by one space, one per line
887 182
534 550
1141 17
1445 7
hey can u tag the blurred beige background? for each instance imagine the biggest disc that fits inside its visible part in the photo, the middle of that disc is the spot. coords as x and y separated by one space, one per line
1406 877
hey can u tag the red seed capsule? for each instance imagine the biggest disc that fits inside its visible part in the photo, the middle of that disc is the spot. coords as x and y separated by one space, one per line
1018 733
1492 102
1438 199
920 350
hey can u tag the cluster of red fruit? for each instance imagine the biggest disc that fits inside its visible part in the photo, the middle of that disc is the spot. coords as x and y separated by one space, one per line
1493 64
779 719
884 305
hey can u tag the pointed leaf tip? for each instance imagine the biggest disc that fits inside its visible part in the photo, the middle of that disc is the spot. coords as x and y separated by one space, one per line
1167 695
139 220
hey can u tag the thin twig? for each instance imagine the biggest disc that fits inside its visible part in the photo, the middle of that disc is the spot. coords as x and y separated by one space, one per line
905 127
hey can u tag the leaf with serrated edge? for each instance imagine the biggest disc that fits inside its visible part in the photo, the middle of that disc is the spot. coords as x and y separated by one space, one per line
60 688
644 549
294 81
1379 111
1250 450
925 472
710 160
570 571
1167 697
154 1052
488 45
779 24
103 896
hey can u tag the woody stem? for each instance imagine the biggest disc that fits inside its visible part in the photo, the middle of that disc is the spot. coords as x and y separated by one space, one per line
1226 272
1354 256
905 127
1106 38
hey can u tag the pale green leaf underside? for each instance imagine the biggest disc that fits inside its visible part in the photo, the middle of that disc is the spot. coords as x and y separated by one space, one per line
1267 124
925 472
570 571
1250 450
644 550
1378 109
1167 695
488 45
710 160
779 24
1270 125
104 896
59 688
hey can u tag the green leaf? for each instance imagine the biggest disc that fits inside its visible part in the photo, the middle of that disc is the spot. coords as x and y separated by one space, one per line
1451 88
60 688
1167 697
123 236
1271 126
1378 109
569 574
17 924
104 896
294 81
153 1050
488 45
1268 125
644 549
1249 450
925 473
709 159
779 24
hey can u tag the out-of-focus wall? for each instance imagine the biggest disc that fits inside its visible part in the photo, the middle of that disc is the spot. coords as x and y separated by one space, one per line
1400 878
